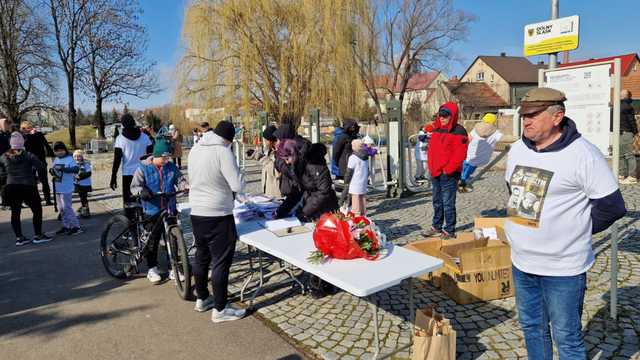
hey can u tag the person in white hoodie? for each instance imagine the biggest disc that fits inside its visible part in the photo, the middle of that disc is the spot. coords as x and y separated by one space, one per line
483 140
215 178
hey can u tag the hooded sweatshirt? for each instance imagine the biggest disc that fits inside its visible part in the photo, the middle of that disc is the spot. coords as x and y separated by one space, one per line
214 177
448 145
559 196
129 147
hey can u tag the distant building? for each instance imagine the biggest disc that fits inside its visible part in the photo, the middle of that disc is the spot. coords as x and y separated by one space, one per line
422 87
630 66
474 98
509 76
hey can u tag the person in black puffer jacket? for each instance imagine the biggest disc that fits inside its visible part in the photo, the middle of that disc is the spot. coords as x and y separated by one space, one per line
319 196
37 144
291 171
16 170
342 147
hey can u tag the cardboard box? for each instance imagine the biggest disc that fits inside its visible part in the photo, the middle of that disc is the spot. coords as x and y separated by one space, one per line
474 270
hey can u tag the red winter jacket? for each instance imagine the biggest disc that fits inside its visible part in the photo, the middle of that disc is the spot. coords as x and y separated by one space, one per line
448 146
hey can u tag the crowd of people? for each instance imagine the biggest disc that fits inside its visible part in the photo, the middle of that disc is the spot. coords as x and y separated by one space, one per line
552 174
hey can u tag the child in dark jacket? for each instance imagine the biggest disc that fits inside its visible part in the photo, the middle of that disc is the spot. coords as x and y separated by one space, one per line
318 194
83 182
447 151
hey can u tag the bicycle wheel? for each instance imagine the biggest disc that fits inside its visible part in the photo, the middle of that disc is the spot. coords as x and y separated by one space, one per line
118 257
179 258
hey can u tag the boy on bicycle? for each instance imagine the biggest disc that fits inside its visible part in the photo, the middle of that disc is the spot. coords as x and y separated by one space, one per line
157 175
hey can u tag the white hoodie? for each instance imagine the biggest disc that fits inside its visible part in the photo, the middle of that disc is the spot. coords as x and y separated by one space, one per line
213 177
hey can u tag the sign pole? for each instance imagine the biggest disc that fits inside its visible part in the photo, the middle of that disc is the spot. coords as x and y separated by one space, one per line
615 234
555 9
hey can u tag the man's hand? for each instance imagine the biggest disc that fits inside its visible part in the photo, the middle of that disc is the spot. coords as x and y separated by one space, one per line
113 184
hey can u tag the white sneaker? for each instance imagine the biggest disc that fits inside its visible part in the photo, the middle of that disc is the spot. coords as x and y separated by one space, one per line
172 276
204 305
227 314
153 275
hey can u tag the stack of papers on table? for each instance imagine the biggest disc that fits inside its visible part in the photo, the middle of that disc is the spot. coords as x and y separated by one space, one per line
243 212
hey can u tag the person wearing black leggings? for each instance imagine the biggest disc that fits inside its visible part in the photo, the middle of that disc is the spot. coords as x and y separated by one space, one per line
16 169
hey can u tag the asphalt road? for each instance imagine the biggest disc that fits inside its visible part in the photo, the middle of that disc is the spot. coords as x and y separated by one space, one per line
57 302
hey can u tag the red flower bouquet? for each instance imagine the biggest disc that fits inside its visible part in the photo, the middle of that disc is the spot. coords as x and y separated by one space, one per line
344 236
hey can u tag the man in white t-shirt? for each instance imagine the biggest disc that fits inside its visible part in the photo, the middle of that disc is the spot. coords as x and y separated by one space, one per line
562 192
129 147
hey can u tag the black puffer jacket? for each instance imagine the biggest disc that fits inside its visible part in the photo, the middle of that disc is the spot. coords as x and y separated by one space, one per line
18 168
290 186
319 196
37 144
342 148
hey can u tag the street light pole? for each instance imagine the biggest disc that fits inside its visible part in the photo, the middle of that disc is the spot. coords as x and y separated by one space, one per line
555 9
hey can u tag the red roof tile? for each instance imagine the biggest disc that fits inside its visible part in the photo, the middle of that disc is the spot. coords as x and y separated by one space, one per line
419 81
625 60
475 94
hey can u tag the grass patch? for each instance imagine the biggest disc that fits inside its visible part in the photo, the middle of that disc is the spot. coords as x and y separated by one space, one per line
84 134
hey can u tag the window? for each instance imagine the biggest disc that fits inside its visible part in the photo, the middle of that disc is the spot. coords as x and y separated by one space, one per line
491 77
476 116
480 76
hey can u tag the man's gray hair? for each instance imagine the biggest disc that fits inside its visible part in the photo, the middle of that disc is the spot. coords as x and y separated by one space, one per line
556 108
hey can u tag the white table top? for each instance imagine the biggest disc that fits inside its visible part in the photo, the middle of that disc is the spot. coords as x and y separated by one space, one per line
359 277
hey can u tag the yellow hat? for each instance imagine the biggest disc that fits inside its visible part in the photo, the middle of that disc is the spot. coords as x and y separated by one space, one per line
490 118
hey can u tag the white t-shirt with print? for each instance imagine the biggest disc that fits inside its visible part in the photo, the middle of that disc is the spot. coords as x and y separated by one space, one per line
549 214
132 150
65 185
358 184
480 149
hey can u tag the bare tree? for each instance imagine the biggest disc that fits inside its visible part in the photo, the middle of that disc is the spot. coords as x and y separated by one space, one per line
70 22
25 69
114 48
396 38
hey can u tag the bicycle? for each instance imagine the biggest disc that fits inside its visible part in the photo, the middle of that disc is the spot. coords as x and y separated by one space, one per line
124 241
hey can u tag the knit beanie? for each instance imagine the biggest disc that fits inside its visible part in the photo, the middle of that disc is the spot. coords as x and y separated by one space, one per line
269 133
225 130
17 141
161 148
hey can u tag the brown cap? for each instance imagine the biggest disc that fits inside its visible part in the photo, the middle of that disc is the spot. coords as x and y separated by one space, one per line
539 99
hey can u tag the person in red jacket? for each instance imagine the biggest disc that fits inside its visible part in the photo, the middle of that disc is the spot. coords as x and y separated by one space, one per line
447 152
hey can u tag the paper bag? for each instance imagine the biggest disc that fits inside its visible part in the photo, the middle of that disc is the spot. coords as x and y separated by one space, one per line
434 338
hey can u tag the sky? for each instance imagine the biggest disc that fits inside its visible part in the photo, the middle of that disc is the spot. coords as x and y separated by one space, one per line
498 27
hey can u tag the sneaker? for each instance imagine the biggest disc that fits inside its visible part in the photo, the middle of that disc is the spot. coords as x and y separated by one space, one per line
75 231
204 305
153 275
432 232
444 235
172 275
21 240
227 314
63 231
41 239
629 181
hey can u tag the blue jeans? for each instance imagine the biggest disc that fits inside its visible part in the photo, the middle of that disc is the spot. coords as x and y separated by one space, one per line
555 301
467 171
444 189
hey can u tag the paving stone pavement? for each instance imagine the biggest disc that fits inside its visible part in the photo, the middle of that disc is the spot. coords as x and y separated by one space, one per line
341 325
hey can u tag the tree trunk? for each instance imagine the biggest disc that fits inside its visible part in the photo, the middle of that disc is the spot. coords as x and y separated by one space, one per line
13 115
72 112
99 120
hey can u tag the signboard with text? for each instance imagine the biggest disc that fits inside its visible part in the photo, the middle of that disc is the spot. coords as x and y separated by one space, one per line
551 36
588 92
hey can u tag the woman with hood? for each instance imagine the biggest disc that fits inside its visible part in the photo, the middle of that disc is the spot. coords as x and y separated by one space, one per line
342 146
447 151
16 170
291 171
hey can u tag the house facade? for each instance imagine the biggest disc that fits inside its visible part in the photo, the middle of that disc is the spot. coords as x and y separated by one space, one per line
422 87
508 76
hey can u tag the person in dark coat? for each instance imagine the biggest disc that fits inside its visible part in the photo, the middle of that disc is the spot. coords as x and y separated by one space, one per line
291 170
342 146
318 194
37 144
628 132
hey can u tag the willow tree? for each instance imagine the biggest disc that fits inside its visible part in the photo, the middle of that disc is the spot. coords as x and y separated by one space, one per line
281 56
